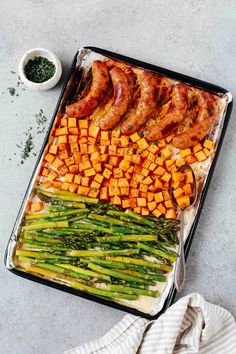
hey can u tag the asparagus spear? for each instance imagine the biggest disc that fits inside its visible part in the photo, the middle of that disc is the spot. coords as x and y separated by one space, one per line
43 255
46 225
101 253
56 269
124 238
156 277
141 262
65 195
84 271
156 252
115 274
55 214
103 293
131 290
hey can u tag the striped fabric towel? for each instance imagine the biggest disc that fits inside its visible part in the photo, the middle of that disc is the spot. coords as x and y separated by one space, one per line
192 325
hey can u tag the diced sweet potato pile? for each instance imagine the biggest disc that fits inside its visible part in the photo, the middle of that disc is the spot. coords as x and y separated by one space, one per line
123 170
182 183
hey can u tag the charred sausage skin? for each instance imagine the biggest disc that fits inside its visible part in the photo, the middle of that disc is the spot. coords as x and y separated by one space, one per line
173 117
100 84
121 100
146 106
201 125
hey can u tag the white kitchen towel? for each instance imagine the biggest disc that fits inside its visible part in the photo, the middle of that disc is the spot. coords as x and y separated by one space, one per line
191 325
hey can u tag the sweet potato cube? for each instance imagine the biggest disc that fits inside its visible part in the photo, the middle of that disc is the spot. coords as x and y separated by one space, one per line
166 177
169 163
150 196
128 175
137 177
161 208
130 169
134 183
52 175
124 141
125 203
112 150
197 148
36 206
103 193
97 167
151 157
169 204
72 122
85 181
141 202
45 172
107 165
136 158
144 211
189 177
143 188
74 147
46 184
83 140
95 157
152 166
98 178
91 141
124 191
178 192
90 172
183 201
69 161
84 166
133 202
116 133
137 210
143 144
114 160
93 131
57 163
169 138
147 181
83 148
179 162
170 214
161 143
128 158
62 146
187 189
152 205
207 152
63 154
63 170
83 124
120 151
185 152
84 132
49 158
158 197
104 157
123 182
159 161
53 149
72 139
83 190
74 131
208 144
145 172
153 148
166 194
144 154
116 200
156 213
157 183
69 177
93 193
62 139
117 173
64 122
200 156
107 173
134 137
73 187
134 192
65 186
178 176
137 169
77 179
124 165
104 135
190 159
159 171
166 153
61 131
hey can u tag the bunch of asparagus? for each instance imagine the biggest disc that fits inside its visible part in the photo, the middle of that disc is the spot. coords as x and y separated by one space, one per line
96 247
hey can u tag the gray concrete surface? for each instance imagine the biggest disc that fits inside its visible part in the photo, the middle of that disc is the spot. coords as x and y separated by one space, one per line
193 37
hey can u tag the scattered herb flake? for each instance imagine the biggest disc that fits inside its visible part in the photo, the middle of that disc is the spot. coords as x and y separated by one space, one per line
11 90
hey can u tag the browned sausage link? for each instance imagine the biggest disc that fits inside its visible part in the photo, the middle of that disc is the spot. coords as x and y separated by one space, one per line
98 89
121 100
201 125
173 117
146 106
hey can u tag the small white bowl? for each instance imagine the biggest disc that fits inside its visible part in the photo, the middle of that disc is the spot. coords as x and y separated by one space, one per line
40 52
